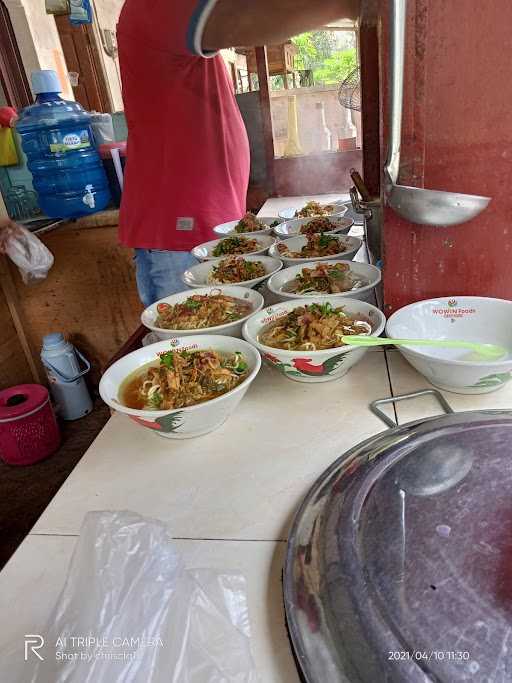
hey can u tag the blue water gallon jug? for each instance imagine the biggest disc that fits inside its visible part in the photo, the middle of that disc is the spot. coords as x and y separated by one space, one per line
56 136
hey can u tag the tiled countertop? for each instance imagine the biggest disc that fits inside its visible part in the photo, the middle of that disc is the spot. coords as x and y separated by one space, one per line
228 497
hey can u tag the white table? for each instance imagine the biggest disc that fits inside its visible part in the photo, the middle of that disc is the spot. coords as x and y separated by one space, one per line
228 497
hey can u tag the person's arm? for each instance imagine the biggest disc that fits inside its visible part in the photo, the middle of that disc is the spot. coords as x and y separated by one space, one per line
268 22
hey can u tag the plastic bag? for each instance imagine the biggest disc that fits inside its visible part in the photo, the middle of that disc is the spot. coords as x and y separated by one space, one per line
147 619
32 257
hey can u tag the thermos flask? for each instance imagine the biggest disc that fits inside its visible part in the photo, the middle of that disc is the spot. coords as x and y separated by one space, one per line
65 368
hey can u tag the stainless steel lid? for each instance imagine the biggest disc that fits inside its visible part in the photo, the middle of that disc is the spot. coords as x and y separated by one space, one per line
399 563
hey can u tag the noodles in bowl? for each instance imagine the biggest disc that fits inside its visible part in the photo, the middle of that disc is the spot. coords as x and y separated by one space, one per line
235 245
313 327
187 386
317 245
249 223
326 278
317 225
201 311
183 378
235 269
303 340
315 209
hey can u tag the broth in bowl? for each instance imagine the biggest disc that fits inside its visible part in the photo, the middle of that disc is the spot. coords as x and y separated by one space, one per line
183 378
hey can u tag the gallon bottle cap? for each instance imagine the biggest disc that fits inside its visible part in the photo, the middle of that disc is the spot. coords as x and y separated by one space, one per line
53 339
45 80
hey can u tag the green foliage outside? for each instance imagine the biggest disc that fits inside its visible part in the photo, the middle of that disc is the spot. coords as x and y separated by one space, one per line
317 53
336 67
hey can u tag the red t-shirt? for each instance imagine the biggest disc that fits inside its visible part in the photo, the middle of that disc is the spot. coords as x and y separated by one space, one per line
187 164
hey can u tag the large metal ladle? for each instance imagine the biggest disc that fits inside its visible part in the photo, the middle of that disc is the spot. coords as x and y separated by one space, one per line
426 207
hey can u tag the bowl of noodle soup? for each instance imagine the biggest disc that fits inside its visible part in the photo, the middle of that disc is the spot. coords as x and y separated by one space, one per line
184 387
221 309
302 338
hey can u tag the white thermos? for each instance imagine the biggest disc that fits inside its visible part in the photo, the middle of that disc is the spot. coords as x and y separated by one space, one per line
65 368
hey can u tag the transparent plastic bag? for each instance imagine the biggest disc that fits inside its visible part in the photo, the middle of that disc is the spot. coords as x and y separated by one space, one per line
103 128
32 257
148 619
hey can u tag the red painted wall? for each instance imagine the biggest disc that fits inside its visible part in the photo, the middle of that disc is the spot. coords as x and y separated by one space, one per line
457 136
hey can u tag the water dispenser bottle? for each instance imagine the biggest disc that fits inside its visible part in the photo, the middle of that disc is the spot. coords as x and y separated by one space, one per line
66 377
57 137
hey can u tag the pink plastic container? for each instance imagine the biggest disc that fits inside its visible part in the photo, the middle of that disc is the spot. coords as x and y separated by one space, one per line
28 428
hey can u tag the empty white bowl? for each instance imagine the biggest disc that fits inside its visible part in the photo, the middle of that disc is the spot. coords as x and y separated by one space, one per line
341 225
181 423
291 212
197 276
312 366
352 244
228 228
232 329
363 270
204 252
465 318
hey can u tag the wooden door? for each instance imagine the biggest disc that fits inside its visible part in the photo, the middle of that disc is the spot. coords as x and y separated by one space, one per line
13 80
80 52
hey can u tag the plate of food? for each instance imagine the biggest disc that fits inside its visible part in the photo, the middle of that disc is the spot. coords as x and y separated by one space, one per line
213 310
314 209
316 247
324 279
234 245
308 226
246 271
182 387
249 223
302 339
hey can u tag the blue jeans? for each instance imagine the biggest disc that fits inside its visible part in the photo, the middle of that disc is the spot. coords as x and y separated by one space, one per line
159 273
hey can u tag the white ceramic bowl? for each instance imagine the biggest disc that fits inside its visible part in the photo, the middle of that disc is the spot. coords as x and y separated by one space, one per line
204 252
182 423
228 228
468 318
292 228
296 243
312 366
197 276
233 329
291 211
364 270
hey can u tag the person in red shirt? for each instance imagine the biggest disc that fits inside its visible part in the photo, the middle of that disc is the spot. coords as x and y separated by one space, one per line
188 155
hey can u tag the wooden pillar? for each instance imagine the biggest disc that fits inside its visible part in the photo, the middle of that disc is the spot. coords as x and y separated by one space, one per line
266 117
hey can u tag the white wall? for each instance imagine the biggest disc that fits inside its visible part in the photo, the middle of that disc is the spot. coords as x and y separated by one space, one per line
38 40
107 14
40 48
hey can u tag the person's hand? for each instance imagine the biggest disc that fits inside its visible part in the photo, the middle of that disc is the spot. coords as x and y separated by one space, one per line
7 228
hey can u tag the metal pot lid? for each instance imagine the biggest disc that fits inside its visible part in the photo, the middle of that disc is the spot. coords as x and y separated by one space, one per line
399 563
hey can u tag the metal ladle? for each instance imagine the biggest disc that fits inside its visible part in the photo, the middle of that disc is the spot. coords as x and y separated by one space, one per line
426 207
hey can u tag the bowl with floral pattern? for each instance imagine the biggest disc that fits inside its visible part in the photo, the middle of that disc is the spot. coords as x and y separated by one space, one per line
312 365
